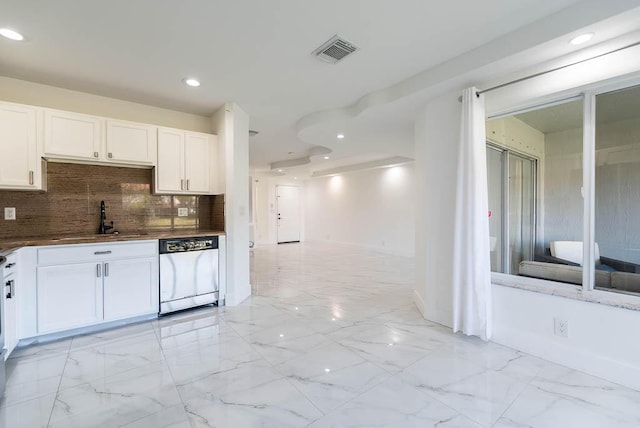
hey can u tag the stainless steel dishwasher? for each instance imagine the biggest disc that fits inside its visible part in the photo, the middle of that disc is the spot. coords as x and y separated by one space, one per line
188 273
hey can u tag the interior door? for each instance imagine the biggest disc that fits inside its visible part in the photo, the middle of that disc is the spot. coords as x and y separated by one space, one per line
288 209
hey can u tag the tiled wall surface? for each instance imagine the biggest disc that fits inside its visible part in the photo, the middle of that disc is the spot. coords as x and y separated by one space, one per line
71 204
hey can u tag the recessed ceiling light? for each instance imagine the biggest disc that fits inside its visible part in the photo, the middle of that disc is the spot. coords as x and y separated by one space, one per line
279 170
190 81
583 38
326 157
340 136
295 178
10 34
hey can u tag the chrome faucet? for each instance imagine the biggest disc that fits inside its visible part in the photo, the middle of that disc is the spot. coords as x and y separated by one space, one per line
103 217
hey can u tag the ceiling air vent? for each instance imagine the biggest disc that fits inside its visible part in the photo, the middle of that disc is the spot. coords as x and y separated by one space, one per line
335 49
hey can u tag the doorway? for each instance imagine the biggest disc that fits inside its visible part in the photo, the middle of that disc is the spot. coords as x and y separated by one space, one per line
288 213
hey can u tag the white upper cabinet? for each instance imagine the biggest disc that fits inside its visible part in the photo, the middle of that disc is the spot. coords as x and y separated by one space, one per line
197 161
72 135
20 164
130 142
169 172
75 136
184 162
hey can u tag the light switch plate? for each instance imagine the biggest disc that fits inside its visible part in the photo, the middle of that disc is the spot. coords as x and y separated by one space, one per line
183 212
10 213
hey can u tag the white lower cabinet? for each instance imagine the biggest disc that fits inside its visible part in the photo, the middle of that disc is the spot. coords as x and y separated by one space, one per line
10 296
69 296
129 288
88 284
10 323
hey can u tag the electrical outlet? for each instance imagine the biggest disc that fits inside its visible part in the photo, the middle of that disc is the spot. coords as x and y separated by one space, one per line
561 327
183 212
10 213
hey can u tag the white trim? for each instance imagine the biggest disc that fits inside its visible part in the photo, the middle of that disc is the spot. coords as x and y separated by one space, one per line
533 107
588 190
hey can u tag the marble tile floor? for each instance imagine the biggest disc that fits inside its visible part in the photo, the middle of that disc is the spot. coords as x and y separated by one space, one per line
330 338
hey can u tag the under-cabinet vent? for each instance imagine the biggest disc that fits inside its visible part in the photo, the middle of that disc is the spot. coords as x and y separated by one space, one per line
335 49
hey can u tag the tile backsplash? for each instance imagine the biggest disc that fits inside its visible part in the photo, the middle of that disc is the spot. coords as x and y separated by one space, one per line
71 204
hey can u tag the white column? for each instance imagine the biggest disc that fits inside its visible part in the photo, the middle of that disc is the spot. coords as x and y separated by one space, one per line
231 124
437 129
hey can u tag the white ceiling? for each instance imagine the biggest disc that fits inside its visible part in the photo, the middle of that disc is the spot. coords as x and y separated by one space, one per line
257 54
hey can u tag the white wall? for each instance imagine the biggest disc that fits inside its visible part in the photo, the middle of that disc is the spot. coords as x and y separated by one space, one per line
600 335
617 225
601 338
563 208
372 208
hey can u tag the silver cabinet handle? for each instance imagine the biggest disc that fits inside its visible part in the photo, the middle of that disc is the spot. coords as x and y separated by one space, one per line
11 292
181 184
110 155
98 270
101 252
96 154
106 269
30 177
187 184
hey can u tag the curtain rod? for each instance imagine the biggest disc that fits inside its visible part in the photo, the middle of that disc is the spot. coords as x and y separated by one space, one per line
522 79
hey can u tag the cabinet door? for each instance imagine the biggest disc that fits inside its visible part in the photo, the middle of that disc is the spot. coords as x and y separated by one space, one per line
215 167
10 315
72 135
69 296
196 154
169 172
20 166
132 143
130 288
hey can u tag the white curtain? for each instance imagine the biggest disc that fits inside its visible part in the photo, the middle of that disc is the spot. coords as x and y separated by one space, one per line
471 262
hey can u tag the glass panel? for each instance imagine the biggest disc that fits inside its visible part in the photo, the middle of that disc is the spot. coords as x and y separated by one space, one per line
521 210
541 165
495 187
617 187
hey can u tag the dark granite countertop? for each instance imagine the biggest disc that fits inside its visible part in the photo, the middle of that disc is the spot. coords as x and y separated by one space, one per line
13 244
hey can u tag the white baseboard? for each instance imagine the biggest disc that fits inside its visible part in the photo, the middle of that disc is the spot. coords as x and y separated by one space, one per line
378 248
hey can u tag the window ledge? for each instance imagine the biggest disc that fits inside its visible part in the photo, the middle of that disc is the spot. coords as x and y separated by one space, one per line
568 291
